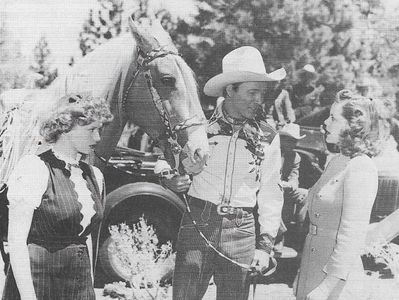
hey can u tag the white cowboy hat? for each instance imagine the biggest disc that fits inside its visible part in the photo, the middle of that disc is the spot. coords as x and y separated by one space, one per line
291 130
309 68
241 65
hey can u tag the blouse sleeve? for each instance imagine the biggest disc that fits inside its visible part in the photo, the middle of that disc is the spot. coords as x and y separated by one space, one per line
360 189
27 183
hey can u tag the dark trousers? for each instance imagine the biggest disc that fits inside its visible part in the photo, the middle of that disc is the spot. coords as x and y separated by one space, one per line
57 275
233 235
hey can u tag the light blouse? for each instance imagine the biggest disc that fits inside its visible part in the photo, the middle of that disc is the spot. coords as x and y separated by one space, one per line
29 180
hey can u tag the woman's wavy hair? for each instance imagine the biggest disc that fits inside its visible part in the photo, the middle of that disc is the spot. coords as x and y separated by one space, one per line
75 109
386 109
363 135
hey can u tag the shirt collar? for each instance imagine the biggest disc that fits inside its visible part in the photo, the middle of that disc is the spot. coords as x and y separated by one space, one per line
220 114
68 161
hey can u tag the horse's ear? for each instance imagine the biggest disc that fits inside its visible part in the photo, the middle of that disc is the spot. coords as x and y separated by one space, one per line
161 35
144 39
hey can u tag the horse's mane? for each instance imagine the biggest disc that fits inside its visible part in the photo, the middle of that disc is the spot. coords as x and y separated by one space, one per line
98 72
189 80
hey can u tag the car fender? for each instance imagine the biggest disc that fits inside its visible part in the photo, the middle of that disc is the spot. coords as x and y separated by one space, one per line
141 188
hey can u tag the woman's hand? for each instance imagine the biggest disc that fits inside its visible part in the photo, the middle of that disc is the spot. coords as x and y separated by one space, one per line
323 291
319 293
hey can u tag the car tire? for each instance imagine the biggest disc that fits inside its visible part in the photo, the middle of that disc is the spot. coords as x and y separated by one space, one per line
158 211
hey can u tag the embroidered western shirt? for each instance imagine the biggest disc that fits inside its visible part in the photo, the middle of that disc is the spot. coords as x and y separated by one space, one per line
243 169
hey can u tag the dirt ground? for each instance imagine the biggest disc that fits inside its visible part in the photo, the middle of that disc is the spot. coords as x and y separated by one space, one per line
270 292
278 287
384 289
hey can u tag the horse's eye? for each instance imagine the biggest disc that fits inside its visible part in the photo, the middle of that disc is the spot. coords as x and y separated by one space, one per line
168 81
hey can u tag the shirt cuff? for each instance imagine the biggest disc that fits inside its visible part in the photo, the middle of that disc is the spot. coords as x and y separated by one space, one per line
265 243
336 270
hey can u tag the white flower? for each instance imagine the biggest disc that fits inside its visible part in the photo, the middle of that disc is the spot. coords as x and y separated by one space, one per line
136 252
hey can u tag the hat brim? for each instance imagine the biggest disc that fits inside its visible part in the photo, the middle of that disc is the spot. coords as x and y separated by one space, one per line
297 137
214 87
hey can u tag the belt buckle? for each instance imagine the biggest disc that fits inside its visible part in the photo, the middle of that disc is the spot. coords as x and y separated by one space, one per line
223 209
313 229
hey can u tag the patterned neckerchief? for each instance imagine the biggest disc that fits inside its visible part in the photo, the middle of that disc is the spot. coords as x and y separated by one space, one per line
249 131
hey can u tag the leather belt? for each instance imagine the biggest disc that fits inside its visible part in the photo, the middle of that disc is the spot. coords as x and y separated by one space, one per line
221 209
231 210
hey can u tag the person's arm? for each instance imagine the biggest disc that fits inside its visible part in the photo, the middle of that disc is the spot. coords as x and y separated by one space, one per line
19 226
270 197
288 107
360 189
293 176
173 181
25 189
278 105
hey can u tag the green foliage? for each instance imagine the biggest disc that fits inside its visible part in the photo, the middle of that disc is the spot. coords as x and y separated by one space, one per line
110 20
12 67
345 40
104 25
42 64
334 36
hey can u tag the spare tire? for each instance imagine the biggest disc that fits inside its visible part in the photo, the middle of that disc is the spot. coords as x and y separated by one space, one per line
160 207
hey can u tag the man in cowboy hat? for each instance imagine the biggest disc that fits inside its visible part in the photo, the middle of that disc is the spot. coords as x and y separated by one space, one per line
243 171
302 89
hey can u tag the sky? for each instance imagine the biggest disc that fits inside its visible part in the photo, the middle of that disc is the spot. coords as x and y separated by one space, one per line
61 21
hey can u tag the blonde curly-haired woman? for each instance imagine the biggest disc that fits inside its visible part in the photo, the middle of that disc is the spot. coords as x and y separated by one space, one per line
56 202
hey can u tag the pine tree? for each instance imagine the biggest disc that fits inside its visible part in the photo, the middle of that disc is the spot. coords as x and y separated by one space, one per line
104 25
12 65
110 20
42 64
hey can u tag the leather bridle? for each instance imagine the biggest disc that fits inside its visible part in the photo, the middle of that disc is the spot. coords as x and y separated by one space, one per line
171 131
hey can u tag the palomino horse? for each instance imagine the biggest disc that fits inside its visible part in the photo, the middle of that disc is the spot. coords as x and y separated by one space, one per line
144 80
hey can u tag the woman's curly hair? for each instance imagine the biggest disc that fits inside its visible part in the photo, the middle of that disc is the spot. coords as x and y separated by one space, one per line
74 109
363 135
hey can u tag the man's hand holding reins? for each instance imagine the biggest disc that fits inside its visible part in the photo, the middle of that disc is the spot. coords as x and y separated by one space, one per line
261 261
178 183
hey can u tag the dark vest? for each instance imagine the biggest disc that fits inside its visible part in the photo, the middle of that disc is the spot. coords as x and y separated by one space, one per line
56 222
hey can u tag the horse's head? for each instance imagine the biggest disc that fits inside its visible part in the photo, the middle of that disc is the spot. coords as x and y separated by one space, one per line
160 94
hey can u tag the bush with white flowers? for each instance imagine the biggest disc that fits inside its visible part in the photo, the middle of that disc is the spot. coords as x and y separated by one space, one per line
137 252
